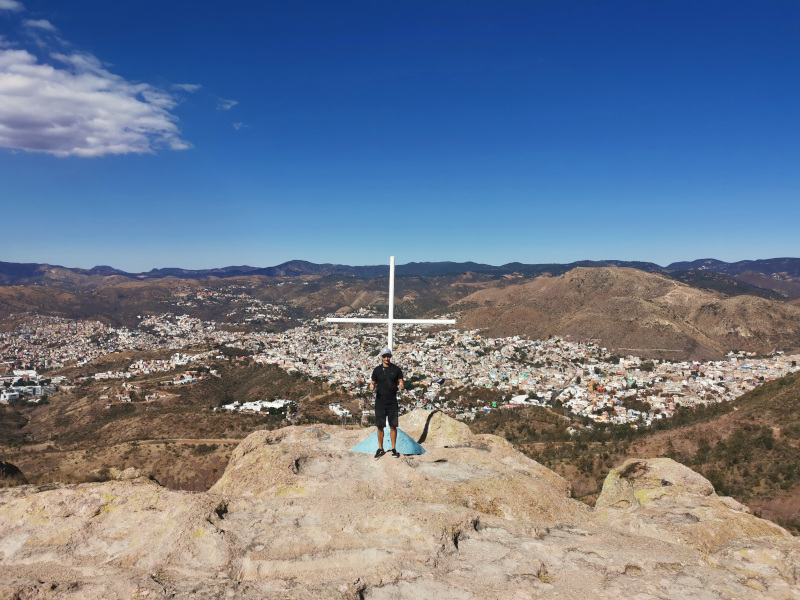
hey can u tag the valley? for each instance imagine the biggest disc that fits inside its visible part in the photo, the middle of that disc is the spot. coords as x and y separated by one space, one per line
580 367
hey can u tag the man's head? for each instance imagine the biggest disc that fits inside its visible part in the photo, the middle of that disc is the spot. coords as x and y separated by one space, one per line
386 355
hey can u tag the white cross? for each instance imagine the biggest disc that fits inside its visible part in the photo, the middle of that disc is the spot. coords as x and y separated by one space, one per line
391 320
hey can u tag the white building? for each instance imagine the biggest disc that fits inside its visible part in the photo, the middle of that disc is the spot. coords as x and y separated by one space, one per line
7 395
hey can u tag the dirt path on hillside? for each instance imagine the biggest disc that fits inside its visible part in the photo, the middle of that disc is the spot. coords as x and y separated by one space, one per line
53 447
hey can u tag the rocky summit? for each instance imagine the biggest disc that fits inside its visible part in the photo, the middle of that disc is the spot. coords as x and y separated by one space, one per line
298 515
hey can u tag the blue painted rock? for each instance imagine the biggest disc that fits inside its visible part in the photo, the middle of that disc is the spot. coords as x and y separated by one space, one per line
405 445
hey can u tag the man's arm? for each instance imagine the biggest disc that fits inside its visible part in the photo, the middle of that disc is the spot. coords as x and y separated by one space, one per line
401 384
372 382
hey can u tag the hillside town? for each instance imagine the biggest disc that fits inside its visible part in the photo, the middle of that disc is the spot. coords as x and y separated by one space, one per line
243 307
444 367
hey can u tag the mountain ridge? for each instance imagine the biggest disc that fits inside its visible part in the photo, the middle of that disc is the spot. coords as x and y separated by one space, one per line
28 273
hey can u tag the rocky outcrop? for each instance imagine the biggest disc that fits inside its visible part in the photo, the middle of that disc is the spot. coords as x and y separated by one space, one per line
663 499
297 515
435 429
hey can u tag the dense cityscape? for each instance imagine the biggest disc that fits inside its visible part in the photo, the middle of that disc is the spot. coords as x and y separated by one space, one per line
444 367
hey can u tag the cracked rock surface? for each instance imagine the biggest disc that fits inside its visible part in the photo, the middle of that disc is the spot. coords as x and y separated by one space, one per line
297 515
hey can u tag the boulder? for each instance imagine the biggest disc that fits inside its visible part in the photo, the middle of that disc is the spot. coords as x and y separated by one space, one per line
486 474
664 499
126 474
433 428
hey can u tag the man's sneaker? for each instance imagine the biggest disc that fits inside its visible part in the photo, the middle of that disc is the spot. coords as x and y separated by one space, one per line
379 453
395 453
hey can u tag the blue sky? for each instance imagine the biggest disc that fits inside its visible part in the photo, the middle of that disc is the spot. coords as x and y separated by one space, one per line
204 134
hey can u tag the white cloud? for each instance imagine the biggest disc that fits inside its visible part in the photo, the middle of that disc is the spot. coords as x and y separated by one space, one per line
187 87
224 104
40 24
12 5
238 126
80 108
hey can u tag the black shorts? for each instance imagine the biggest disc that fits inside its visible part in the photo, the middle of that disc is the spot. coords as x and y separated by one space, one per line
384 413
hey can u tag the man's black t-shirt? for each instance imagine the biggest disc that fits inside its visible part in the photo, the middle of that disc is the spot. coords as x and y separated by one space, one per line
386 381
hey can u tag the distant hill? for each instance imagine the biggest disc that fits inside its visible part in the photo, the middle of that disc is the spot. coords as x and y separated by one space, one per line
59 276
13 272
634 312
779 269
769 266
779 276
762 287
74 278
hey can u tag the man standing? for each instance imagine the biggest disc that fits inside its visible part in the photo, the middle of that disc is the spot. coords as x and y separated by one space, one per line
388 378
